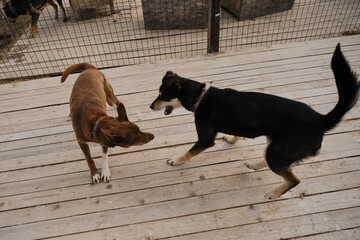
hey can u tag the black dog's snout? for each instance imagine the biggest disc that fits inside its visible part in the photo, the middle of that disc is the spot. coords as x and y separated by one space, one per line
152 106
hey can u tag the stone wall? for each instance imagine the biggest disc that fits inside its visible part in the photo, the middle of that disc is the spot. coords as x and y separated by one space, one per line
174 14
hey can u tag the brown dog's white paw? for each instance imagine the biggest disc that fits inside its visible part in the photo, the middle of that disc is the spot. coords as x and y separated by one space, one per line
105 175
96 178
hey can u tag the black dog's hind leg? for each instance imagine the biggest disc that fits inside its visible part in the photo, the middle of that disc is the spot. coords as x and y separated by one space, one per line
62 9
290 181
112 9
34 20
279 163
206 137
51 3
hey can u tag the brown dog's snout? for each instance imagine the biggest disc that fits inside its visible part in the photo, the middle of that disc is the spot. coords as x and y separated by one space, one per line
149 136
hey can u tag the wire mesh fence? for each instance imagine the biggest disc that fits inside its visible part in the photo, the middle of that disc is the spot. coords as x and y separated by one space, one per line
113 33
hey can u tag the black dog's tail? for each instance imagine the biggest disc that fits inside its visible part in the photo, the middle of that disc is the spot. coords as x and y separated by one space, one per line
75 67
348 89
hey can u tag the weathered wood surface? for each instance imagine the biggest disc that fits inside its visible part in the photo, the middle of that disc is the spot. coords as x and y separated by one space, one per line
45 190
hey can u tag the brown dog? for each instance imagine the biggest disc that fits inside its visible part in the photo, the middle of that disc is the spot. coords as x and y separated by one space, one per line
90 121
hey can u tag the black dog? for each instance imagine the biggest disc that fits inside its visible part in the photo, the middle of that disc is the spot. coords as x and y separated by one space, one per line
15 8
293 129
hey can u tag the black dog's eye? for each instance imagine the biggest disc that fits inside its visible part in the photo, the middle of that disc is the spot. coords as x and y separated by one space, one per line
164 97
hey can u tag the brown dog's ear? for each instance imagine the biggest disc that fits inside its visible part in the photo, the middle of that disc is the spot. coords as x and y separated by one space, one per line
109 136
168 75
122 116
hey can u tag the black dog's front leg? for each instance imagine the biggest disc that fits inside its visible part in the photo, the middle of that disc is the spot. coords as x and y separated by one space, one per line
206 139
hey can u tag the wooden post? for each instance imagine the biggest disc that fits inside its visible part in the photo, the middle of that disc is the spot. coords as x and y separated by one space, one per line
213 26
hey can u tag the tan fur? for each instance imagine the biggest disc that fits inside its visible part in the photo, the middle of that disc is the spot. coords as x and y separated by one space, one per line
90 121
290 181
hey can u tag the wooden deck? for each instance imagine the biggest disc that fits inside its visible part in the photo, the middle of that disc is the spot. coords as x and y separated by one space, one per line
45 190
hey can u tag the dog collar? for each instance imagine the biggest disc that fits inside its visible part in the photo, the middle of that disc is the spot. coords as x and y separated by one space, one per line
94 128
196 105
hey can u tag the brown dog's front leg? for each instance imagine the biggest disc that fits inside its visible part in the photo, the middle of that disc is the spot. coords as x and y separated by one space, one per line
105 171
95 176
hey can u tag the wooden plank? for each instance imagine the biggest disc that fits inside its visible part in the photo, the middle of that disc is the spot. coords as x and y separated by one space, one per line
216 220
347 234
76 185
149 196
207 203
287 228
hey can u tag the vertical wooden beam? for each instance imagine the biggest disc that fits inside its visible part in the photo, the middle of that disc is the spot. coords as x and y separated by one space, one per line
213 26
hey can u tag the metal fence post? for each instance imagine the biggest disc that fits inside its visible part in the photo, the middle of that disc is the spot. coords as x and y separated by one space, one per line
213 26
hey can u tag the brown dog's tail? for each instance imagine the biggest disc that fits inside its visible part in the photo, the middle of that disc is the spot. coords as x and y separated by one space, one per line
75 67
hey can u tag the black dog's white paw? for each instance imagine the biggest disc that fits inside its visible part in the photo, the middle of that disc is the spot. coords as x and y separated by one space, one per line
174 161
272 195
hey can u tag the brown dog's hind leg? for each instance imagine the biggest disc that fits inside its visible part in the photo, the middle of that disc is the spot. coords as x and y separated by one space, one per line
95 176
111 99
290 181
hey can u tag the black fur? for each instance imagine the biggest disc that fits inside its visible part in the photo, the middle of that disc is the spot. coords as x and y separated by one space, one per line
294 129
15 8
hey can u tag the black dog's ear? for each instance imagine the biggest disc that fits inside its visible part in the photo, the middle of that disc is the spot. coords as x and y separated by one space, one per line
168 75
122 116
175 88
